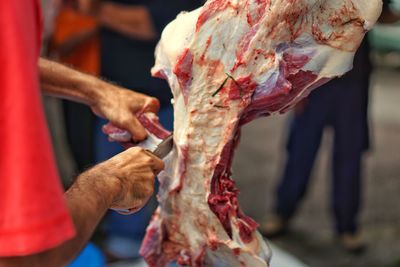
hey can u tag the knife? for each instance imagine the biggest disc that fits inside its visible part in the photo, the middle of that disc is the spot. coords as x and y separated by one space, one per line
163 149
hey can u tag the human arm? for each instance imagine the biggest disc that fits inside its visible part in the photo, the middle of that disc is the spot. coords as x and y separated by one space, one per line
116 104
144 22
132 21
124 182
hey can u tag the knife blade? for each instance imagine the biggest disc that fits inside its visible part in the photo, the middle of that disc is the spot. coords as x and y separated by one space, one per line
163 149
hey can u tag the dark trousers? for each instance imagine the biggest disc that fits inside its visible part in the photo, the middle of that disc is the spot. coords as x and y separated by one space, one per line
343 106
79 123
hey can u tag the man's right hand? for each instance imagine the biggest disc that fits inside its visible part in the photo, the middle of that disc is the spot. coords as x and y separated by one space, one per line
124 182
128 178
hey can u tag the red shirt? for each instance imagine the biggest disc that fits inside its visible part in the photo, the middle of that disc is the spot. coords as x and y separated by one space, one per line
33 214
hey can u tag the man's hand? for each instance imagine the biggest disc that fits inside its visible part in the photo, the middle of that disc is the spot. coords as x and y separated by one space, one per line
128 179
126 182
120 107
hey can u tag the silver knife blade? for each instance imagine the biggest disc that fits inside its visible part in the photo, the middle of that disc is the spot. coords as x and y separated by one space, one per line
163 149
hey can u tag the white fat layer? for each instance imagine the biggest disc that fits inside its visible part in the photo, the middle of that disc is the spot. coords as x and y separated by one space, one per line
202 130
327 61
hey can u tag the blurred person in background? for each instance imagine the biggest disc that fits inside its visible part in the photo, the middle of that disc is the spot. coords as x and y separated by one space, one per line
130 30
75 42
38 225
341 104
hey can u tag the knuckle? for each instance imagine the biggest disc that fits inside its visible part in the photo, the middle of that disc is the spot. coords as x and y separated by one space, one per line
148 161
158 167
140 149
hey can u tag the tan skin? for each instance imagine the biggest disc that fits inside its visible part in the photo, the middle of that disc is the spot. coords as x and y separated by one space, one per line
114 103
124 182
131 21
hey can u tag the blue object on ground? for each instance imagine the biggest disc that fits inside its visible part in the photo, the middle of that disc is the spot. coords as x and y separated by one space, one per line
91 256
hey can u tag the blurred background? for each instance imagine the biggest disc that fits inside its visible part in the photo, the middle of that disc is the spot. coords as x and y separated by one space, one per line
90 43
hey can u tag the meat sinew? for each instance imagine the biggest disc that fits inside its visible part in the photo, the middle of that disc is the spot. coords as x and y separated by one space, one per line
228 63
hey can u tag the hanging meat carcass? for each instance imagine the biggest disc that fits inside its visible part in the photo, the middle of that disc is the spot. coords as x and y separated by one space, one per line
228 63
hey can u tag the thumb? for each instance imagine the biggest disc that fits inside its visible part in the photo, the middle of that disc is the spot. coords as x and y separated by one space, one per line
136 129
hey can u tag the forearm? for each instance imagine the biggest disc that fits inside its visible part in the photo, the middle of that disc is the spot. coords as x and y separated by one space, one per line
61 81
118 105
87 203
132 21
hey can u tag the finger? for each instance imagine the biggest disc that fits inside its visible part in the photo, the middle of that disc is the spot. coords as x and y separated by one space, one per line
151 105
115 133
157 164
136 129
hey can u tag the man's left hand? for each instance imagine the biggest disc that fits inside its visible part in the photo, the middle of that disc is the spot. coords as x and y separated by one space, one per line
121 107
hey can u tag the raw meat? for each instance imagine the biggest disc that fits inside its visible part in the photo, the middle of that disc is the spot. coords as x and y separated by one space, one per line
155 130
228 63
